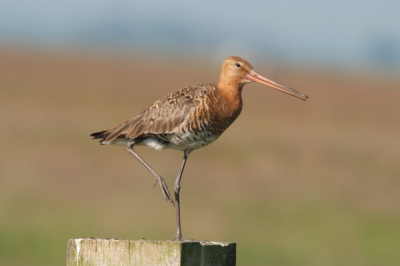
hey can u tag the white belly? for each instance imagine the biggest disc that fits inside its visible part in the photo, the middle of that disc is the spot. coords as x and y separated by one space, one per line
149 142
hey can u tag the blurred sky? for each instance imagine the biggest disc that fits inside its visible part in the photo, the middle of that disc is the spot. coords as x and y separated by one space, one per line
340 33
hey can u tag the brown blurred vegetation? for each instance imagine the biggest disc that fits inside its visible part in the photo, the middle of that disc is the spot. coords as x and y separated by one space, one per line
292 182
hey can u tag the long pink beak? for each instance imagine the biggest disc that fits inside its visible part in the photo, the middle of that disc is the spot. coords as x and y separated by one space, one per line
253 76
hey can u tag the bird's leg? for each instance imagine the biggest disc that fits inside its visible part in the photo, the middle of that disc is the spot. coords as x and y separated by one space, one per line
159 179
177 201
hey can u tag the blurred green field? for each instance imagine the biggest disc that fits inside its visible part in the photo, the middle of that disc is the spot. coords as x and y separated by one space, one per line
291 182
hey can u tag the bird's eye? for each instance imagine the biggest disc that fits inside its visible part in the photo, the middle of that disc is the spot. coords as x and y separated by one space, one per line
237 65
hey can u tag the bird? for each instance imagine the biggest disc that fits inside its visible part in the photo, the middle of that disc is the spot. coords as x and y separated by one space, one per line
189 119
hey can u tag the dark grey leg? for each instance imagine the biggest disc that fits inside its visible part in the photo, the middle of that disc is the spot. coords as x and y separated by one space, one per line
177 189
159 179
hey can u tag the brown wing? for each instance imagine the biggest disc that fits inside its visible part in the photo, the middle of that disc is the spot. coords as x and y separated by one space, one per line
160 118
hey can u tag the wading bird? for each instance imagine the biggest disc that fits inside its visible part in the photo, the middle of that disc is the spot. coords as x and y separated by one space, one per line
188 119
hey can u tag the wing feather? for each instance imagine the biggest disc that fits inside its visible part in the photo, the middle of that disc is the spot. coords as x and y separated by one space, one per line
163 117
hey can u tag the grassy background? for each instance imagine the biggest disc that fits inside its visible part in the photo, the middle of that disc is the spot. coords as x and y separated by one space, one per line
292 182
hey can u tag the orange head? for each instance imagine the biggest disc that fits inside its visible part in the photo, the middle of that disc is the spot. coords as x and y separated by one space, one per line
236 72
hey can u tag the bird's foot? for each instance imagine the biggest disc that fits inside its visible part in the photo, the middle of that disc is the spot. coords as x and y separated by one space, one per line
179 238
164 189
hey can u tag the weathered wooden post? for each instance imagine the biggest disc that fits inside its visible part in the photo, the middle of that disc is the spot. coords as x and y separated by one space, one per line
110 252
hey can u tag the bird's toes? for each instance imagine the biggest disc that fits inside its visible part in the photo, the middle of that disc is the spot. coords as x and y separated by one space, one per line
168 197
165 190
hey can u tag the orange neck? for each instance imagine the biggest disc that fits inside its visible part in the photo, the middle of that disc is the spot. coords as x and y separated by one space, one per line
232 94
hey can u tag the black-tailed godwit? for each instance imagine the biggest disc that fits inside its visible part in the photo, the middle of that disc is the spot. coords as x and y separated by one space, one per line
188 119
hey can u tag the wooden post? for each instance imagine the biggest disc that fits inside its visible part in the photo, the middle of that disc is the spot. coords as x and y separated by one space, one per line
110 252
